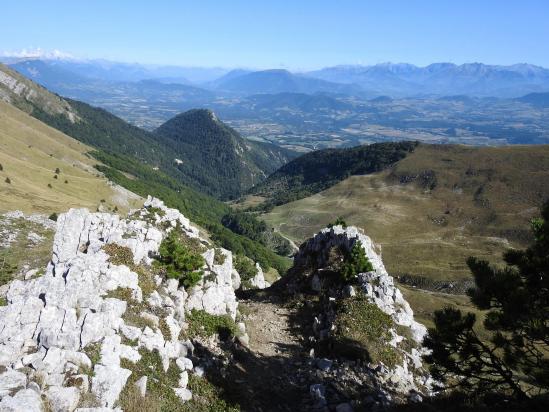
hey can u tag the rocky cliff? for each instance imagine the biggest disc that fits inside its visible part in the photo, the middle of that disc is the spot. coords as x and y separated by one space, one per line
361 326
64 334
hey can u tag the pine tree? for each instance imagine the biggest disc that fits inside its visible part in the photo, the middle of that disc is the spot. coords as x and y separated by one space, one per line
517 300
355 262
180 262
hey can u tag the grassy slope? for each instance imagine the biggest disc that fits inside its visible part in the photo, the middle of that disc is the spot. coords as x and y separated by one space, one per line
30 151
480 205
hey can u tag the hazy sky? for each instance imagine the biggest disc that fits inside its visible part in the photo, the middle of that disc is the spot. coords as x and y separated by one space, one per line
298 34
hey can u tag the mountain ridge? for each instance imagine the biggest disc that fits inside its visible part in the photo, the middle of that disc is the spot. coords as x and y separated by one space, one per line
441 78
199 137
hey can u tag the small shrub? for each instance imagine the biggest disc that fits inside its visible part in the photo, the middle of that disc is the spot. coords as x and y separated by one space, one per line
219 257
245 267
145 279
49 185
201 323
8 180
55 176
66 181
160 395
355 262
7 269
57 171
93 350
337 222
156 210
1 167
179 261
164 329
53 217
119 255
124 294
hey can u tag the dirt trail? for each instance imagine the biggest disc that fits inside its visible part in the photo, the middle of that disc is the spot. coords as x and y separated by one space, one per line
268 326
271 373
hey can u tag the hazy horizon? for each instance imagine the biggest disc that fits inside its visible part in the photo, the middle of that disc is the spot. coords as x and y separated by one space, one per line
55 54
298 37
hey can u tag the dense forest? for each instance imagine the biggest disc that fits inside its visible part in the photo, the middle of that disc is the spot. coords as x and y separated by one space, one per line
316 171
215 157
248 225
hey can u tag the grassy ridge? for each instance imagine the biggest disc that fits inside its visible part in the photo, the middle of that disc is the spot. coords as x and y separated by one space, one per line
434 208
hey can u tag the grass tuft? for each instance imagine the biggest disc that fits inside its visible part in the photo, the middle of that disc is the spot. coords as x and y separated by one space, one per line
203 324
363 331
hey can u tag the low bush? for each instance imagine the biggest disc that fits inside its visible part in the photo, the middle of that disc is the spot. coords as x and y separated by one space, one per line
201 323
160 395
179 261
119 255
245 267
337 222
355 262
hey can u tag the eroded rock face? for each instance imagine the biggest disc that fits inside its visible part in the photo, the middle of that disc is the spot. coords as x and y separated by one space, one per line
51 322
258 281
379 288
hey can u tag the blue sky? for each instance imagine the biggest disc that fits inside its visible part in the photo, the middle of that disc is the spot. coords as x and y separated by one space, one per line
299 34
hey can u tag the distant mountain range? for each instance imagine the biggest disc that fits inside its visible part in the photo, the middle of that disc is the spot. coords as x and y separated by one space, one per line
540 100
475 79
394 80
279 81
342 106
126 72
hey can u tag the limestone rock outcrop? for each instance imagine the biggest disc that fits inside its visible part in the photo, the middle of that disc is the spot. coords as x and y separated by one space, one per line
408 377
65 333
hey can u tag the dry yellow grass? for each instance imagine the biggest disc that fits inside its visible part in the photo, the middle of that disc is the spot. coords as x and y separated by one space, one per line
480 206
30 152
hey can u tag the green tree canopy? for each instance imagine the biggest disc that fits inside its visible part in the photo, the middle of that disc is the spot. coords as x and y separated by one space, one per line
515 360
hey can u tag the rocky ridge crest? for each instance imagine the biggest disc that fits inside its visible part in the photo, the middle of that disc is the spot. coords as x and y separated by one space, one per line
68 336
51 322
406 378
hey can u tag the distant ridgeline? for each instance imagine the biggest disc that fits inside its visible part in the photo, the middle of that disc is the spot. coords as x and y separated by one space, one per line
150 164
319 170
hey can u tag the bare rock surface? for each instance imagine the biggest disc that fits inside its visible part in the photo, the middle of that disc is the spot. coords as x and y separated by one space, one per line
51 322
